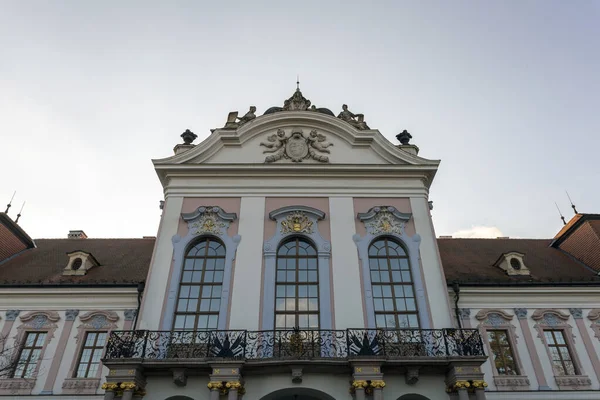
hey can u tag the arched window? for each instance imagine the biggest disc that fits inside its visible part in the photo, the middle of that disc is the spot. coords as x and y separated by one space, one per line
392 286
297 285
200 285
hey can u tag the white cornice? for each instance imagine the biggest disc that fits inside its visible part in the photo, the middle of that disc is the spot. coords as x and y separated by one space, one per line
64 298
529 297
370 138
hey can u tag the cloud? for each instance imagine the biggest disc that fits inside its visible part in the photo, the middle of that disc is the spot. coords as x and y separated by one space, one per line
488 232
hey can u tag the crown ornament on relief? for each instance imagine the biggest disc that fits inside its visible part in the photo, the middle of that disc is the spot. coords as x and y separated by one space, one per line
384 221
297 222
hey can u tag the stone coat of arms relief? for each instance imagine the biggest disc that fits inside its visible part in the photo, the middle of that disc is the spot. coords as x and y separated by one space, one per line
297 146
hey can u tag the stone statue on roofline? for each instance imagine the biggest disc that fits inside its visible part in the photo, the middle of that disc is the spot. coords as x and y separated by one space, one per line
356 120
232 118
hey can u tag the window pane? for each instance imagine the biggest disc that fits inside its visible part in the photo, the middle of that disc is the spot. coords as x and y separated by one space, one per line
296 265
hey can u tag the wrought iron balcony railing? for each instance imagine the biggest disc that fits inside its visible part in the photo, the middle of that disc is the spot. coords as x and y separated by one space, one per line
293 344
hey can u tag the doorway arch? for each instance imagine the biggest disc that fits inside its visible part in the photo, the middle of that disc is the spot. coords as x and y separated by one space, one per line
412 396
297 394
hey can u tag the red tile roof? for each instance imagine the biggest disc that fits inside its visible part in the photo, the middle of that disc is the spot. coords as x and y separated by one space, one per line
472 261
122 262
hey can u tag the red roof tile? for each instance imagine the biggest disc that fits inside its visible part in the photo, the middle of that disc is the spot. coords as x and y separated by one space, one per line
122 261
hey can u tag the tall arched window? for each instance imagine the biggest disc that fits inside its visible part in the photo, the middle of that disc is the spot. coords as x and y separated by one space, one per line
297 285
200 285
392 286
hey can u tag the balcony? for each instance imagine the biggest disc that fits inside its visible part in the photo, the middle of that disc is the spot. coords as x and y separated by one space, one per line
255 347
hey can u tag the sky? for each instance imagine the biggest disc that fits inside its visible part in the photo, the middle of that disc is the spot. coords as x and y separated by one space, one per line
505 93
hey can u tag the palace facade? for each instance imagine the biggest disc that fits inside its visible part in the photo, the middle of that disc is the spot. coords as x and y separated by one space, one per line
296 259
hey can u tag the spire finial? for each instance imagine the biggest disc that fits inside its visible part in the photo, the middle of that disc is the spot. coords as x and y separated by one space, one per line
19 214
561 216
571 201
298 82
10 202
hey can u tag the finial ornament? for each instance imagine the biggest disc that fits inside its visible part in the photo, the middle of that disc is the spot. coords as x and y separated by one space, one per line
298 82
188 136
10 203
404 137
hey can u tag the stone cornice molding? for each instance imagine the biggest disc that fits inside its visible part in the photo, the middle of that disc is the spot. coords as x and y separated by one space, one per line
485 313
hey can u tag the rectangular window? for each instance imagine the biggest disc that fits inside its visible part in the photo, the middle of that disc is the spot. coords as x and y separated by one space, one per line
89 359
30 354
503 357
562 362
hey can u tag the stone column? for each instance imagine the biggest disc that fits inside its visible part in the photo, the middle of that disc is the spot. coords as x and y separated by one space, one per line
479 387
521 314
378 389
461 387
215 388
70 316
109 390
128 389
233 388
359 389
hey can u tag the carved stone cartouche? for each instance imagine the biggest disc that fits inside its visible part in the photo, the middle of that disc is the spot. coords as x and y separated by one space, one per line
297 146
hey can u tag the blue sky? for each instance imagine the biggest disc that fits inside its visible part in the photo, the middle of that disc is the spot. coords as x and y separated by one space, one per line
506 94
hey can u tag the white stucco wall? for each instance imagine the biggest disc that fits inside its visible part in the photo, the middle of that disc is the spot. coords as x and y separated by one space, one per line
347 291
156 285
432 268
245 304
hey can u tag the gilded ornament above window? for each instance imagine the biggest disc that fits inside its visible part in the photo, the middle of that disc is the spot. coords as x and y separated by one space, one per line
297 222
209 220
382 220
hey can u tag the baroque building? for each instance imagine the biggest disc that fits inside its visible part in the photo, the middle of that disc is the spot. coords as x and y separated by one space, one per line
296 259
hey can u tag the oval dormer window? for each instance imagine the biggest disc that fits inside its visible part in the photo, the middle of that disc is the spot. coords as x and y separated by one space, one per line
515 264
76 264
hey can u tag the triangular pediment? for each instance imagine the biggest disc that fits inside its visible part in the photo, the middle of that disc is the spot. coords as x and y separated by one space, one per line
294 137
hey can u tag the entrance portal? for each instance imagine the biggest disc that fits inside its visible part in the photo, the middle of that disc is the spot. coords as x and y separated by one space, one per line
297 394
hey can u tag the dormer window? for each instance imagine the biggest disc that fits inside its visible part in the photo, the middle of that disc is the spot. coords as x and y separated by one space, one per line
512 263
515 263
80 262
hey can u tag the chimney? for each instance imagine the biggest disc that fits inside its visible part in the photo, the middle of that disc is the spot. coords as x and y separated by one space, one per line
77 235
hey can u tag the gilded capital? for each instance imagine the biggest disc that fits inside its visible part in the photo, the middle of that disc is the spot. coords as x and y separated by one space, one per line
109 386
359 384
128 385
462 385
214 385
377 384
479 384
235 385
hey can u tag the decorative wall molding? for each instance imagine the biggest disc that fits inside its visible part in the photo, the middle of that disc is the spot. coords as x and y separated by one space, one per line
81 385
515 382
577 313
594 316
70 315
573 382
16 386
130 314
547 318
300 221
521 313
494 316
464 313
12 315
35 321
497 319
382 221
209 221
